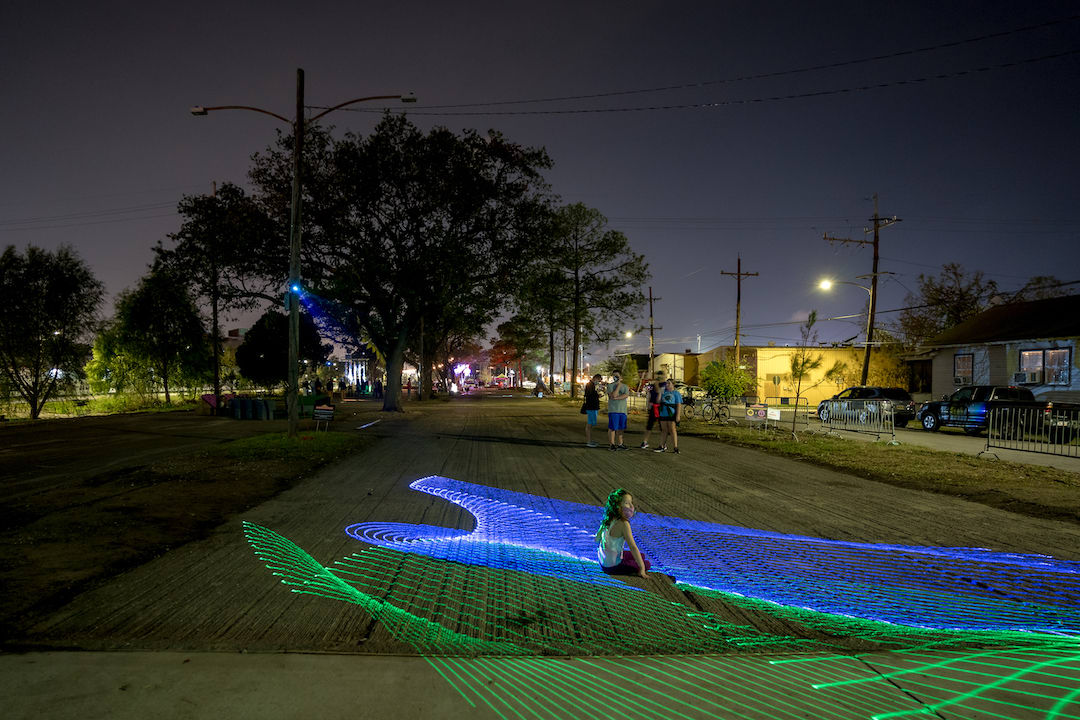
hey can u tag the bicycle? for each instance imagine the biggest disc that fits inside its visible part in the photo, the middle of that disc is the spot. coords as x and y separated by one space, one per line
715 409
688 407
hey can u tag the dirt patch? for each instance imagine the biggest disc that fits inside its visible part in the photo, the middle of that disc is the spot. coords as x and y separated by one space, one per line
65 540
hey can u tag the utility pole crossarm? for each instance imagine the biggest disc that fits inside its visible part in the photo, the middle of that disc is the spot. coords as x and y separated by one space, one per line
738 275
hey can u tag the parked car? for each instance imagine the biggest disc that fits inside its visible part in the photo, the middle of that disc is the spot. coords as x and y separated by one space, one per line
855 399
970 406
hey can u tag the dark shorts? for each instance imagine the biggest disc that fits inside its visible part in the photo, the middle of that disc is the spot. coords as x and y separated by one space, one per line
626 566
616 421
650 421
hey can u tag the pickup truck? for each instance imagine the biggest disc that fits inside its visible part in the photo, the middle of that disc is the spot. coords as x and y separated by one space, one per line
970 407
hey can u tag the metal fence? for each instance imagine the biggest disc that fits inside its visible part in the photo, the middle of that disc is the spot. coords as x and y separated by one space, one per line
874 417
1042 430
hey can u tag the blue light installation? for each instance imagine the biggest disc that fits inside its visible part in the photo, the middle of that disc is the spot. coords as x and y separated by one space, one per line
971 589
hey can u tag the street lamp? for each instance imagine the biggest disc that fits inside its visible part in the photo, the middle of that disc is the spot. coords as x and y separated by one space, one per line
292 297
826 284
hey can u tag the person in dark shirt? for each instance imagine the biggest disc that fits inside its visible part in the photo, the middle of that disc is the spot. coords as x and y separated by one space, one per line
652 407
591 408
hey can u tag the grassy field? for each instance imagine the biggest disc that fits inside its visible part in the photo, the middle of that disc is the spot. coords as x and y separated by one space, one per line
86 532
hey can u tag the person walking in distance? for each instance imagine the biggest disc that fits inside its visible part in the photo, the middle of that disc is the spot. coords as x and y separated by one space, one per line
670 414
617 393
652 407
591 408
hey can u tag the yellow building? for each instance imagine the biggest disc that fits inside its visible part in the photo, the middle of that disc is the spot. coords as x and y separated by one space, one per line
770 365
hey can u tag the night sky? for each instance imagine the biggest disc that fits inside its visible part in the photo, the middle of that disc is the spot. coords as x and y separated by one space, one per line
981 166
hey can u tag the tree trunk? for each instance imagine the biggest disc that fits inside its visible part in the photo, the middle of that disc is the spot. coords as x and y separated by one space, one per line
424 369
551 355
395 360
216 345
577 333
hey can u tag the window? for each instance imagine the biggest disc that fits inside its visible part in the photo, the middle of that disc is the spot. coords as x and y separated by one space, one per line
1056 364
962 395
1050 367
1031 361
963 368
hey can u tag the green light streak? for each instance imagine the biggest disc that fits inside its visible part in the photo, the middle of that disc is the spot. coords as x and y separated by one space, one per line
493 633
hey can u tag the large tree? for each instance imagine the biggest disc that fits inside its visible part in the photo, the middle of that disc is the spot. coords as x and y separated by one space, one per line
212 253
158 324
541 298
50 301
402 225
263 357
517 338
599 277
942 302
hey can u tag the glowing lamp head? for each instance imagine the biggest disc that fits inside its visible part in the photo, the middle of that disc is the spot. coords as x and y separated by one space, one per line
295 288
825 284
629 334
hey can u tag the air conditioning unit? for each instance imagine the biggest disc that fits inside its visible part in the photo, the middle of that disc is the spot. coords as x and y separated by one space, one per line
1019 378
960 381
1034 378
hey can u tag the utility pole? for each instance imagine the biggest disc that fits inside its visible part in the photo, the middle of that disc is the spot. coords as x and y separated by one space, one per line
652 329
293 400
879 222
738 275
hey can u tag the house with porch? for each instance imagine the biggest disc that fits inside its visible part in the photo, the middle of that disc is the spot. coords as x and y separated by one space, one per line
1030 344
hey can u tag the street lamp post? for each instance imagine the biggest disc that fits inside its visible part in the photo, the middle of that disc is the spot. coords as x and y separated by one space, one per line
293 288
826 285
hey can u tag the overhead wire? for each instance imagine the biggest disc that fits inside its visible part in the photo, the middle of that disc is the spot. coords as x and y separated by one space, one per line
757 76
744 101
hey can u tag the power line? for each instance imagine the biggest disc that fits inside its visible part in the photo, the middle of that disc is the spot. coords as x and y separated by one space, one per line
747 101
83 224
759 76
89 214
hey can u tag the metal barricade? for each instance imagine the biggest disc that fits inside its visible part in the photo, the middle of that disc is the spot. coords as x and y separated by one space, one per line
873 417
1042 430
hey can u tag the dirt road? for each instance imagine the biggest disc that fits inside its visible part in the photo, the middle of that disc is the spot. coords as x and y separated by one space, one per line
214 595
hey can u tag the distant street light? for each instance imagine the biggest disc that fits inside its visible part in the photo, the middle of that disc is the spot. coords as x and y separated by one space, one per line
826 284
293 296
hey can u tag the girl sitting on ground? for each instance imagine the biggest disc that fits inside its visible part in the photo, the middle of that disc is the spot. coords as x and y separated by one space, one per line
614 537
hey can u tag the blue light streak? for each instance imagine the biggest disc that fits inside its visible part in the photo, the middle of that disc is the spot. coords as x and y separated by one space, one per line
928 587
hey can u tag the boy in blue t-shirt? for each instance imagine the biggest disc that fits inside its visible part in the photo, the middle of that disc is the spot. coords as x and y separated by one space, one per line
670 414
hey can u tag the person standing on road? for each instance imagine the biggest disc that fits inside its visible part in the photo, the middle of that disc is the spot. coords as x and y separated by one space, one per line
591 408
617 393
616 549
670 414
652 407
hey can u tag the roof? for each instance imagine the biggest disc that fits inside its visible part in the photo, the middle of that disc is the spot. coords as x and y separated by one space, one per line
1037 320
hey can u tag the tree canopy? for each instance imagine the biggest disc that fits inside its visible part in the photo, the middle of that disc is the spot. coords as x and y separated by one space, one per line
158 325
263 357
592 273
212 252
403 225
725 379
50 302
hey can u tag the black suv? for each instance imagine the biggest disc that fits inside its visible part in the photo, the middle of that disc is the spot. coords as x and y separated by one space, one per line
854 398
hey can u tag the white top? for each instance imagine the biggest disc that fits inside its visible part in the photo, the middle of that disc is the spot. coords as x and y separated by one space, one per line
609 551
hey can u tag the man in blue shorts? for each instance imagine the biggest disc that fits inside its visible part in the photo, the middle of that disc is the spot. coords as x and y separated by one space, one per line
617 394
591 407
